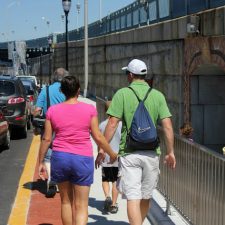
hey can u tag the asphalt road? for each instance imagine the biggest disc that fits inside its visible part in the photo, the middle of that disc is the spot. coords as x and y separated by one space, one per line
11 166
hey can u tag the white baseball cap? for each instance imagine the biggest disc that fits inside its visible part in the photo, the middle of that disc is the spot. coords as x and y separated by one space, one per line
137 67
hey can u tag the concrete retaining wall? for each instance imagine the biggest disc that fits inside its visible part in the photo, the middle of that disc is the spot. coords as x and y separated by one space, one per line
162 47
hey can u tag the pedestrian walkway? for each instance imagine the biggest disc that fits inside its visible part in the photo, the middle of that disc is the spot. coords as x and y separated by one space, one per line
31 207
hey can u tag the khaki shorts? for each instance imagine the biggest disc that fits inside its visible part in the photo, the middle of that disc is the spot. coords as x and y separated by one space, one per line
138 175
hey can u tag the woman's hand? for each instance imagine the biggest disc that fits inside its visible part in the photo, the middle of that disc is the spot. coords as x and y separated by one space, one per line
42 171
100 158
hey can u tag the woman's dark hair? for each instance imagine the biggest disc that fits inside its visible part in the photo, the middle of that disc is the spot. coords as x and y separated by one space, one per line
70 86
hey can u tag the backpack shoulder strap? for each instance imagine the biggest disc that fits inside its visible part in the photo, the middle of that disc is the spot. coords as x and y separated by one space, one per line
149 90
48 98
135 93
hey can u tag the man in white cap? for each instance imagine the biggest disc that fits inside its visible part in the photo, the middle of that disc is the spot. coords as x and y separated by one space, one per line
139 169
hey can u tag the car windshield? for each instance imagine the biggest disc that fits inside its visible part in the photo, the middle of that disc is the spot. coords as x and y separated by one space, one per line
28 78
27 87
7 88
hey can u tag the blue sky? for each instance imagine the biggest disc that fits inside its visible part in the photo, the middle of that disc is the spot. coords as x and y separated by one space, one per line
27 19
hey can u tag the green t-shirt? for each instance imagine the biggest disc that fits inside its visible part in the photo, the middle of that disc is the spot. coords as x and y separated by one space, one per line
124 104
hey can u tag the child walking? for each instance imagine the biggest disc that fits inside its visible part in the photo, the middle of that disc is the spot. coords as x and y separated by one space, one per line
109 171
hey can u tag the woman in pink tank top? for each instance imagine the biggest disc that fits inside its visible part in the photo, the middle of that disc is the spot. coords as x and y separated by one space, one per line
72 164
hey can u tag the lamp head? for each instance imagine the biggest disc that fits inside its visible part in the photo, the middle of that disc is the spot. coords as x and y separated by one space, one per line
49 41
66 5
143 1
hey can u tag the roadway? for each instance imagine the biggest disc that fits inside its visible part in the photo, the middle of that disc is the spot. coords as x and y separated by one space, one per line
11 166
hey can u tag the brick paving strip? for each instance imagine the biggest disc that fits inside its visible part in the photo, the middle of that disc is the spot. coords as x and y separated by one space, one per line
43 211
31 207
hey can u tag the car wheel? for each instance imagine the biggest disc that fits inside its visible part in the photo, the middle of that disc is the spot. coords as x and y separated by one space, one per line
6 144
29 123
24 132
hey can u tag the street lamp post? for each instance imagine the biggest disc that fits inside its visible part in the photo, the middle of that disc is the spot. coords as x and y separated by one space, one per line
78 12
13 32
41 75
35 36
62 19
5 36
145 4
100 11
47 23
85 47
50 59
66 7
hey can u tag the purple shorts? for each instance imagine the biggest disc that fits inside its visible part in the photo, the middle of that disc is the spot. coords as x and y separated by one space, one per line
76 169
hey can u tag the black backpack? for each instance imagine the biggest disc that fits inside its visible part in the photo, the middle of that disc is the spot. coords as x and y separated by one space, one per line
39 121
142 134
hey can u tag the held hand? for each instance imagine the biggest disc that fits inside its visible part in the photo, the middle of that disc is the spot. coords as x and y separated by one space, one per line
113 158
170 160
42 172
100 158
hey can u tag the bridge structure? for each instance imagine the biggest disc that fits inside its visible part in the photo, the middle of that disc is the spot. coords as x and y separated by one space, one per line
183 44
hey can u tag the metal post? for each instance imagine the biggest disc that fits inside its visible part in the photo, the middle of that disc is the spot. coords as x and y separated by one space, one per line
77 21
41 77
62 24
50 59
66 40
78 12
147 12
85 47
100 10
168 209
146 8
50 68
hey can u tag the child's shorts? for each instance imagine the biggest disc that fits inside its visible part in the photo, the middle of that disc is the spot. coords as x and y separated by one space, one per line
109 174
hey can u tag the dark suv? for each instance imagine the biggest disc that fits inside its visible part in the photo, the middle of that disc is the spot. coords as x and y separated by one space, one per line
13 97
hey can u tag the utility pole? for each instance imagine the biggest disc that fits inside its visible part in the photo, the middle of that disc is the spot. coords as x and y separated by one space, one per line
85 47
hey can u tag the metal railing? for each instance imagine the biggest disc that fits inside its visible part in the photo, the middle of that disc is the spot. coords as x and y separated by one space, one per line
132 16
197 186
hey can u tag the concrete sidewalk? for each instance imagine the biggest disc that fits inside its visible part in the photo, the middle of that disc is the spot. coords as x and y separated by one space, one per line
96 204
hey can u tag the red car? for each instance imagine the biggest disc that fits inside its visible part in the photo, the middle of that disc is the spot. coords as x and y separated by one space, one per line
4 131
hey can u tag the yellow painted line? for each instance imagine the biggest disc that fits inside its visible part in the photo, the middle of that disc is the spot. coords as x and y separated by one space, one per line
20 208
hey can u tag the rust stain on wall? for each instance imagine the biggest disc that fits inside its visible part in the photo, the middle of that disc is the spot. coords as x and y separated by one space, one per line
199 51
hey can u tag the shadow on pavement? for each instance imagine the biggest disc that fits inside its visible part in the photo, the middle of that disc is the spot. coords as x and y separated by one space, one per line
98 204
38 185
45 224
101 220
2 149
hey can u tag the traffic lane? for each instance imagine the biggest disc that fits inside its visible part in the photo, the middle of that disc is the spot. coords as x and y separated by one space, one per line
11 166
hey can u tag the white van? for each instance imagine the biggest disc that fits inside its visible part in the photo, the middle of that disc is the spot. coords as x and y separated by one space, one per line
28 77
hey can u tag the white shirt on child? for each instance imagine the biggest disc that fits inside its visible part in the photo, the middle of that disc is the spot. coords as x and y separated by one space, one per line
114 143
